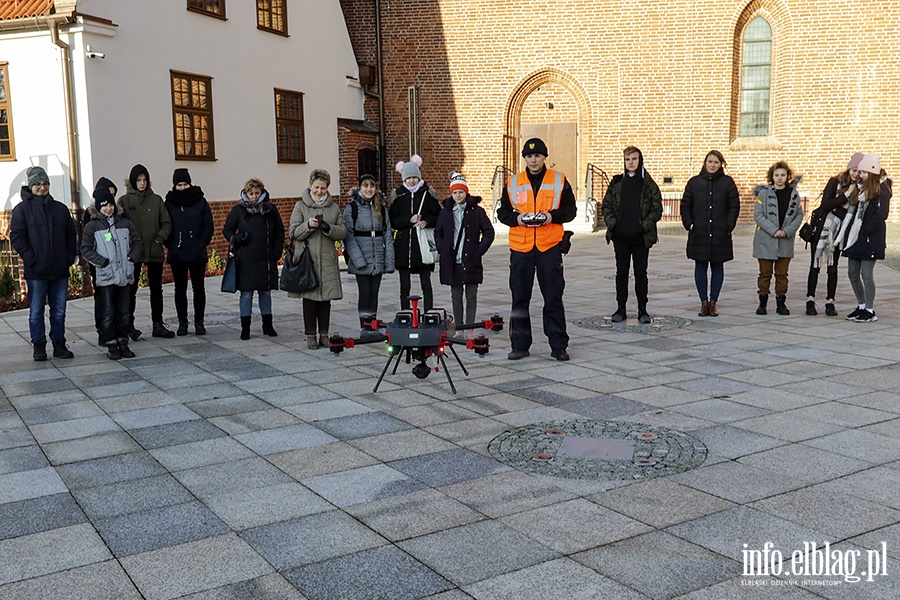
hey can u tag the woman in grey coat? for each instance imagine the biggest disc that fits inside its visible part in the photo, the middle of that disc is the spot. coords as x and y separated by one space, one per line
369 249
317 223
778 216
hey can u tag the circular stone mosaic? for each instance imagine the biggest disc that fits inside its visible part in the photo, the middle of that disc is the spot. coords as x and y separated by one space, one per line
608 450
659 323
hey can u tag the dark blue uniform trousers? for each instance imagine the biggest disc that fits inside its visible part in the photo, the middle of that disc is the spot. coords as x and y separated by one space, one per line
549 268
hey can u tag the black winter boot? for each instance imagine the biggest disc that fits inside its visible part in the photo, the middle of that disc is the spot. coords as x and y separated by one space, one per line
182 328
780 306
40 351
245 328
763 301
199 327
113 353
124 350
60 350
267 326
161 331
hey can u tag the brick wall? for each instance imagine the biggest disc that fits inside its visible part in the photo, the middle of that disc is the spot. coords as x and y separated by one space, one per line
662 75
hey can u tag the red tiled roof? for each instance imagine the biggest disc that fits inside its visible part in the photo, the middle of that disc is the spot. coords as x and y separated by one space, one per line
18 9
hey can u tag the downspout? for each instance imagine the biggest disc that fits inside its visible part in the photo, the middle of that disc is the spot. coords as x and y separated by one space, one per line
74 179
382 146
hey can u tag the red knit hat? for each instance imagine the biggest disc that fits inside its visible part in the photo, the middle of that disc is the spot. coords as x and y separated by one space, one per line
458 182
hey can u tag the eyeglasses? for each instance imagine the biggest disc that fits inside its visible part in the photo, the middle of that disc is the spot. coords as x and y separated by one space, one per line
42 184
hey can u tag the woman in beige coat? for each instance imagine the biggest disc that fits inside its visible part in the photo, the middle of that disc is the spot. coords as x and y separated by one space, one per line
317 221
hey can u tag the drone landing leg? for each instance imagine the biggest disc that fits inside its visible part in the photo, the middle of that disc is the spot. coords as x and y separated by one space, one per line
461 365
446 372
399 356
383 371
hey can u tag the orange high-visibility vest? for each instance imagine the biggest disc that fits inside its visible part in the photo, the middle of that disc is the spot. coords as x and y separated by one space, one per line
521 196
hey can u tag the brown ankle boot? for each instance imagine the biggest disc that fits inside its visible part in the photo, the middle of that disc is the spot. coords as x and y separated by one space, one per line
704 309
323 340
312 342
713 311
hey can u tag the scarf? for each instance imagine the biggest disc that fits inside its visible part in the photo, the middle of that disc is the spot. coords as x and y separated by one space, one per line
255 208
416 187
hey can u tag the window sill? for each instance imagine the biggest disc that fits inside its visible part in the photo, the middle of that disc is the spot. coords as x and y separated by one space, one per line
763 142
275 31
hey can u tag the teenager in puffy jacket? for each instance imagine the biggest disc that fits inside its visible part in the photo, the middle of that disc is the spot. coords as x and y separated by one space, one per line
463 235
111 244
778 215
192 232
413 206
863 235
368 249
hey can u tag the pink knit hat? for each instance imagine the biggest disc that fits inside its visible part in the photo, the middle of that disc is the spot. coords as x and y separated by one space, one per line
854 160
871 163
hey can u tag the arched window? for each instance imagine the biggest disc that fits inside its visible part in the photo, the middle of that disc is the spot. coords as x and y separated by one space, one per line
756 78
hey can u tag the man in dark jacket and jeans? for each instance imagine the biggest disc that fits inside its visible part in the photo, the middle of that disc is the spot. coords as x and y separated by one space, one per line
43 232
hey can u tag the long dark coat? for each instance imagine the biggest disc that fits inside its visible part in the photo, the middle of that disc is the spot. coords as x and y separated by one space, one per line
709 211
257 258
478 235
406 242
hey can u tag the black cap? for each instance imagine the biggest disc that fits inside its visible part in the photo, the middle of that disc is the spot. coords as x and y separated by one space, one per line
102 197
535 146
181 176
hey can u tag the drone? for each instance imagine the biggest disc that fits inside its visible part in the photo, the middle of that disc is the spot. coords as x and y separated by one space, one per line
418 337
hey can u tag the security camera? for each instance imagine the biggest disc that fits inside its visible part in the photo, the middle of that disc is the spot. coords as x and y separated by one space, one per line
93 54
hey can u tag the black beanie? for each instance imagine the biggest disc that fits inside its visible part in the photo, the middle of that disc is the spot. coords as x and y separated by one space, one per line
106 183
366 176
102 197
535 146
181 176
135 171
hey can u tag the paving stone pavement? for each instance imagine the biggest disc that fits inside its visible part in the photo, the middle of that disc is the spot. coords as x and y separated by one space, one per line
213 468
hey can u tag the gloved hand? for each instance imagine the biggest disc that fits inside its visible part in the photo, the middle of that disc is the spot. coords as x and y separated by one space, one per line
325 227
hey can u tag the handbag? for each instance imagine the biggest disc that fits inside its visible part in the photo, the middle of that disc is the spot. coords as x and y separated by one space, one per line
229 278
427 245
298 276
806 233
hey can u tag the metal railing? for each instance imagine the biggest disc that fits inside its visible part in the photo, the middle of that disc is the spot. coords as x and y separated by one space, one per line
596 182
498 182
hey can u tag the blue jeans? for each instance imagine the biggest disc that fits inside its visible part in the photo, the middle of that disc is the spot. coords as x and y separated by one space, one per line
701 280
52 292
265 302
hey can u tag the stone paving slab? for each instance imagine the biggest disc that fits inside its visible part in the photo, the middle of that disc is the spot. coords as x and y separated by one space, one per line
50 551
98 581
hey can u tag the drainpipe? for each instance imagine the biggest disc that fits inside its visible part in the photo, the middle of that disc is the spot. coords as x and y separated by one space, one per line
382 146
74 179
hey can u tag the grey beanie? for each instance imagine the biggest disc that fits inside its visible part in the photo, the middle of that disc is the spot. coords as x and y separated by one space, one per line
411 169
36 175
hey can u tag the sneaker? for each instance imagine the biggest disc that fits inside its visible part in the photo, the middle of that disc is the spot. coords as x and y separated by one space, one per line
811 308
518 354
829 310
866 316
618 316
852 316
644 318
161 331
125 351
560 355
112 353
135 334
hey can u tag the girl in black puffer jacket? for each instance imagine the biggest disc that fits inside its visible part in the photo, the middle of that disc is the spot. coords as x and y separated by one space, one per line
709 211
192 231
